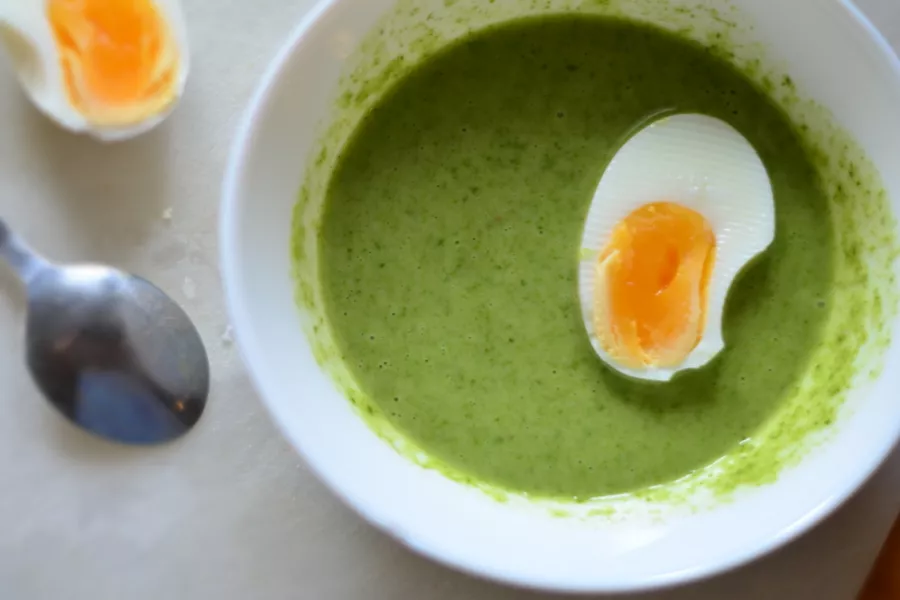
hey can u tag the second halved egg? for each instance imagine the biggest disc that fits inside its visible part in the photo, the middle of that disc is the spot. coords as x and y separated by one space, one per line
110 68
683 206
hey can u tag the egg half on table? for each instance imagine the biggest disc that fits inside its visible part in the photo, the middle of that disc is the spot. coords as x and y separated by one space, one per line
109 68
683 206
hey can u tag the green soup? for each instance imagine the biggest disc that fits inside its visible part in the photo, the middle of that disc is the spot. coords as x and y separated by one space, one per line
449 248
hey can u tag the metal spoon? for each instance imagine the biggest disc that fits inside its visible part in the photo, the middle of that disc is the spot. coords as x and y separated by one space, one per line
110 350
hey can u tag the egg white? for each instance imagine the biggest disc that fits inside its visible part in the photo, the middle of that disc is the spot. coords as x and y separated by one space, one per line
26 33
701 163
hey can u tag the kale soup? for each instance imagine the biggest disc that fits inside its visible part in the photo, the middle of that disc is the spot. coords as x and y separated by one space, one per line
448 252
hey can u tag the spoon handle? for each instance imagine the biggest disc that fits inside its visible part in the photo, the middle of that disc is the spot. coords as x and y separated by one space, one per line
884 579
17 255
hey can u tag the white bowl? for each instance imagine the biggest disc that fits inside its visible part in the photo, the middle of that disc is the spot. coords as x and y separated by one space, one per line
832 54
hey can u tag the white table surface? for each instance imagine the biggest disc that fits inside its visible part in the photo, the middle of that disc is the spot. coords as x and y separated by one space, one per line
230 512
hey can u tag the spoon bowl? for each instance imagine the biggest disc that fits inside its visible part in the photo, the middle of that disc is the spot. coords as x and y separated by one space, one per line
111 351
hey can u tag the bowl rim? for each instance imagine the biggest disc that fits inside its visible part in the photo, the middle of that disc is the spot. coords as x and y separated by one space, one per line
241 321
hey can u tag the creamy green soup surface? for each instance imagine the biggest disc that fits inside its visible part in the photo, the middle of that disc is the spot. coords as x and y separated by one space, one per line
449 246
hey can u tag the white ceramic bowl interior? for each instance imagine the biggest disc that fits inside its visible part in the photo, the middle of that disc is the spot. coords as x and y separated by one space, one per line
834 57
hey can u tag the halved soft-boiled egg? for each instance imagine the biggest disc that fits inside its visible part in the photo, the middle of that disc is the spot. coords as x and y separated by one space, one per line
683 206
110 68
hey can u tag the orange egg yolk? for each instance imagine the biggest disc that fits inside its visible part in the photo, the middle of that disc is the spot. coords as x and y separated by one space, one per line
119 59
651 286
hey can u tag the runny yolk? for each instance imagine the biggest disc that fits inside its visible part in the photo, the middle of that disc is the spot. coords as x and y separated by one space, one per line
650 294
118 57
